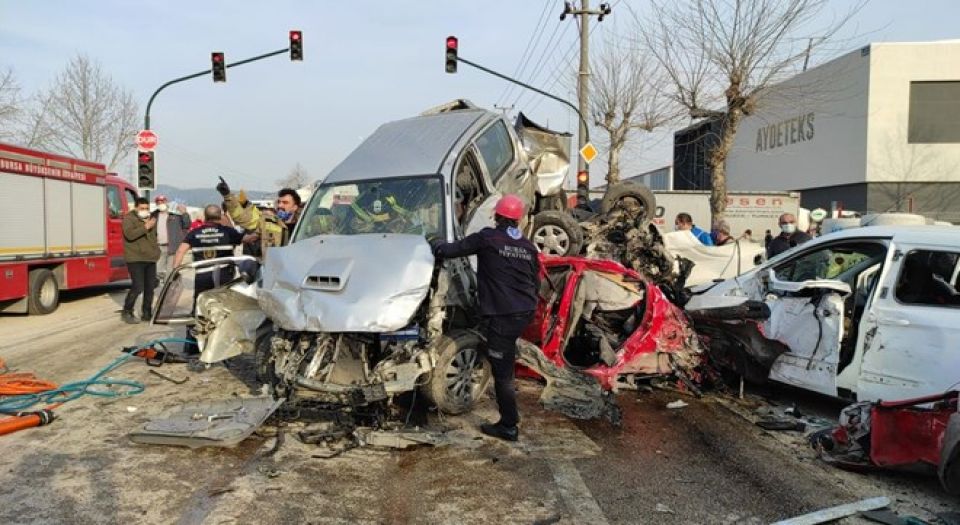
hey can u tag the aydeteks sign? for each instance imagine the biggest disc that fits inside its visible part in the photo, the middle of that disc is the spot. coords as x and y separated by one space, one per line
784 133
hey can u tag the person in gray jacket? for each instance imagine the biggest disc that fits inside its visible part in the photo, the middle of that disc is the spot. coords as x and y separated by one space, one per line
171 229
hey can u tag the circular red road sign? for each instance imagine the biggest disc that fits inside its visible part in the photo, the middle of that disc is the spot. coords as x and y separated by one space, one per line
146 140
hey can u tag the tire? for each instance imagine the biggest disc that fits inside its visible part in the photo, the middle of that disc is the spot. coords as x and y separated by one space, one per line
557 233
44 292
625 192
453 387
263 357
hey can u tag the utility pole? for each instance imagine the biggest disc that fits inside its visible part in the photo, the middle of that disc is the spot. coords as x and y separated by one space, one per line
583 76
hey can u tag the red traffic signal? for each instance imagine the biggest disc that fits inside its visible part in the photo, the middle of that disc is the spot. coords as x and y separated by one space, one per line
583 179
146 177
219 67
451 54
296 45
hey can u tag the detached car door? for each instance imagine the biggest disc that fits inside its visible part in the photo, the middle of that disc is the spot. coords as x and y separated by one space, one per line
811 303
177 300
912 347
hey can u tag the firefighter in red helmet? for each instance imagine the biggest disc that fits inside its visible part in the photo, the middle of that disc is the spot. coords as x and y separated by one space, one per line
507 279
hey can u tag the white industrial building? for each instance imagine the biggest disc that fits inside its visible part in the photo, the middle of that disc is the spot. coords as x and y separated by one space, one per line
877 129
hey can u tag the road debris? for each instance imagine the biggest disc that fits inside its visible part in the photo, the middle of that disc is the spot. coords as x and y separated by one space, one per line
173 380
663 509
888 434
678 404
217 424
835 513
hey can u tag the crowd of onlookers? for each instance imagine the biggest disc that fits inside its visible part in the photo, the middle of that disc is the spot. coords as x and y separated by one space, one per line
720 234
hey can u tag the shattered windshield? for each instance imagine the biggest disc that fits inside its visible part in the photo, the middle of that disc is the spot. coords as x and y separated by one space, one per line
397 205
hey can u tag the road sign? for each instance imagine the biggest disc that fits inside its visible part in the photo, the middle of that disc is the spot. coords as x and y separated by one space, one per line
588 152
146 140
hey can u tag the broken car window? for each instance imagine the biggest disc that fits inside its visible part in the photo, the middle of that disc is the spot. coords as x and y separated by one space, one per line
402 205
496 148
927 278
842 262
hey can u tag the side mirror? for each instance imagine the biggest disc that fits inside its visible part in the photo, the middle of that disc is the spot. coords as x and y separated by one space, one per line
758 259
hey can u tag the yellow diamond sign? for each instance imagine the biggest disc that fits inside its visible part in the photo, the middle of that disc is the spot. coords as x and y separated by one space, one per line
589 152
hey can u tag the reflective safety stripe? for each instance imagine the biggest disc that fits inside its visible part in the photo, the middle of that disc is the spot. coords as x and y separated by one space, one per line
215 248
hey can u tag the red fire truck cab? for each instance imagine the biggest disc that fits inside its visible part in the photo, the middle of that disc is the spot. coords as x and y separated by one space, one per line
60 227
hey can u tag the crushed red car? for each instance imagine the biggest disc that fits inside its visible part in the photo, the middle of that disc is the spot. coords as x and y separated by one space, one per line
922 432
600 327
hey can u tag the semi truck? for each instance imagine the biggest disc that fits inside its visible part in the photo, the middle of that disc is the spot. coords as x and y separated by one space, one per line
60 227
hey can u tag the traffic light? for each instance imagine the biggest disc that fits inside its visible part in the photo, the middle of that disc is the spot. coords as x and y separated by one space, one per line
219 66
451 54
583 179
296 45
145 175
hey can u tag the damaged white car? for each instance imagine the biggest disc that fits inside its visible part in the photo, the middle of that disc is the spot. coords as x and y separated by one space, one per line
869 313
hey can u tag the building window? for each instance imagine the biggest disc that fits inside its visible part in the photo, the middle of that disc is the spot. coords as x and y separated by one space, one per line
934 112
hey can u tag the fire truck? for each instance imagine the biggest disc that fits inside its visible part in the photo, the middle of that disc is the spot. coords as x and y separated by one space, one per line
60 227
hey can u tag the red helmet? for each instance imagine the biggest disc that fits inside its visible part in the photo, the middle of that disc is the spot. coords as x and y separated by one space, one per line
160 198
510 206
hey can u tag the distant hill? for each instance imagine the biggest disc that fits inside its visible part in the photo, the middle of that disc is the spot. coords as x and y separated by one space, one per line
202 196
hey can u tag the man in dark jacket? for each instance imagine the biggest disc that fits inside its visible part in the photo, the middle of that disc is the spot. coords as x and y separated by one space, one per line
140 251
788 238
507 278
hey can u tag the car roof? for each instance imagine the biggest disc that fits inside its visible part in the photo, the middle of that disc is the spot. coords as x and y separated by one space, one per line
947 235
413 146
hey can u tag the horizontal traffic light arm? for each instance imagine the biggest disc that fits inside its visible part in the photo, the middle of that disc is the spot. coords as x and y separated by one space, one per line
146 116
569 104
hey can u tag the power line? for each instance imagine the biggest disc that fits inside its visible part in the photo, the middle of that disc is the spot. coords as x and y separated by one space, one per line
527 52
539 67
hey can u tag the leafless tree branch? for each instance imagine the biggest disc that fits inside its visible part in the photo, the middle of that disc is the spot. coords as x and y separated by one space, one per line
721 56
296 179
628 94
85 114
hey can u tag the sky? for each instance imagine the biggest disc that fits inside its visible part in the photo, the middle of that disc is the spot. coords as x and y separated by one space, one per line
366 62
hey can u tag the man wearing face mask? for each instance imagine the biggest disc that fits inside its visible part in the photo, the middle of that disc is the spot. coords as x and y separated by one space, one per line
140 251
171 229
788 238
276 228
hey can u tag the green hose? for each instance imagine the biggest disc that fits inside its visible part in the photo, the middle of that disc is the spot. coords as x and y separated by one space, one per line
95 385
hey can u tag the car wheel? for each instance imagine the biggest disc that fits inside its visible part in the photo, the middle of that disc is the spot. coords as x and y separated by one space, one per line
557 233
636 199
44 292
263 357
461 374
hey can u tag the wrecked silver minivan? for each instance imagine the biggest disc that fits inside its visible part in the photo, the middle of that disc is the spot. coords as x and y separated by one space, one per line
356 310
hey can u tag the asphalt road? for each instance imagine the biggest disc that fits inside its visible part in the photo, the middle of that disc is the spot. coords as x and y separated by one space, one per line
704 463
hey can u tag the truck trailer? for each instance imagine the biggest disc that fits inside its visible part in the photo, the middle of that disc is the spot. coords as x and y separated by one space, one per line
60 227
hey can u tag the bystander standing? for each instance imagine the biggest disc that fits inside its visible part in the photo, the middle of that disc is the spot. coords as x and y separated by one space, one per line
140 252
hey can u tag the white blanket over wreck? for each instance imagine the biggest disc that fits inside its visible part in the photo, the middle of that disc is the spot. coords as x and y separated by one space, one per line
346 283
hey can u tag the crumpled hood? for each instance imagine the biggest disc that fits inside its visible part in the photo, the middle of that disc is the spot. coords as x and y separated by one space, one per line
346 283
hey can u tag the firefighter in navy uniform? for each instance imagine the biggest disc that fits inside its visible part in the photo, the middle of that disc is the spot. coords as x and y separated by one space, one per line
209 241
507 277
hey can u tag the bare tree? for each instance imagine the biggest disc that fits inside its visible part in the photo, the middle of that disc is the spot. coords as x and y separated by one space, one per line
84 113
628 94
725 54
10 104
296 179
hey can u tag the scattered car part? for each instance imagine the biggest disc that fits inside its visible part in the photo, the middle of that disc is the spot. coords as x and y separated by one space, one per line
835 513
885 434
173 380
217 424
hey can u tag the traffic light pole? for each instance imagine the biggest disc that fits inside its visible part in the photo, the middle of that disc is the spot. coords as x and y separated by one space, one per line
146 116
583 195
